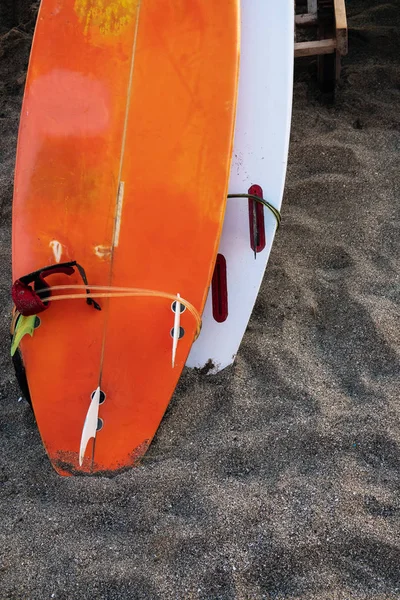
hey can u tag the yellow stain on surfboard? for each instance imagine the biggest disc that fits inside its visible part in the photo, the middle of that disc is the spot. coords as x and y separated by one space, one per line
110 16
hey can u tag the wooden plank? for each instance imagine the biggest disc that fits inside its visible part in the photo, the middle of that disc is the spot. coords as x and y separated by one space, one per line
338 66
306 20
312 6
341 27
314 48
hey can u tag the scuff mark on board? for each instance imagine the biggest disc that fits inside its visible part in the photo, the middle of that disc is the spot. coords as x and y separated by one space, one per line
102 251
66 463
110 16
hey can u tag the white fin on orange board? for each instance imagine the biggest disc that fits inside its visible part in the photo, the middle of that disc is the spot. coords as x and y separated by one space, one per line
176 330
90 425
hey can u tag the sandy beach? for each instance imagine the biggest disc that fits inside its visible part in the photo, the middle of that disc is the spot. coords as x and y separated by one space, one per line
278 478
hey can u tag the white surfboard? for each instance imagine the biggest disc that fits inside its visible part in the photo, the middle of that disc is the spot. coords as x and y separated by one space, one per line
259 163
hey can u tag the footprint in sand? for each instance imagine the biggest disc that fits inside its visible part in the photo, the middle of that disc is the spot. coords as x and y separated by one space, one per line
321 160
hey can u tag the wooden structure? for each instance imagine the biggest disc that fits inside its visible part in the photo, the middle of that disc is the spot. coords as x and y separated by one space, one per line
326 22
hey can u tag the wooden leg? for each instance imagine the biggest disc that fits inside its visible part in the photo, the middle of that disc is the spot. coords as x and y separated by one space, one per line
338 66
327 69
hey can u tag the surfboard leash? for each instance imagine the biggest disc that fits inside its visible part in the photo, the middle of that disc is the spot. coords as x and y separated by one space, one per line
25 290
25 324
104 291
262 201
29 301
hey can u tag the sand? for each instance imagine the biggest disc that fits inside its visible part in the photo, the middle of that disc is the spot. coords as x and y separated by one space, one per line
279 477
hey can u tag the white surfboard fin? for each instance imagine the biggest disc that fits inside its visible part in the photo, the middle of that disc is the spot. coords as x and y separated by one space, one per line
90 425
176 329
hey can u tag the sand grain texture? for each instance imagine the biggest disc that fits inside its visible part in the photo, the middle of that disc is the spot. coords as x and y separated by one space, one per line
278 478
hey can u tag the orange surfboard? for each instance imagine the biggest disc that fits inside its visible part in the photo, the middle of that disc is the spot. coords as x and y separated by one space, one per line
122 166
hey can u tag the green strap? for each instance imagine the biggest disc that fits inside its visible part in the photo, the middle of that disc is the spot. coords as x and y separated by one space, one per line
24 326
265 203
